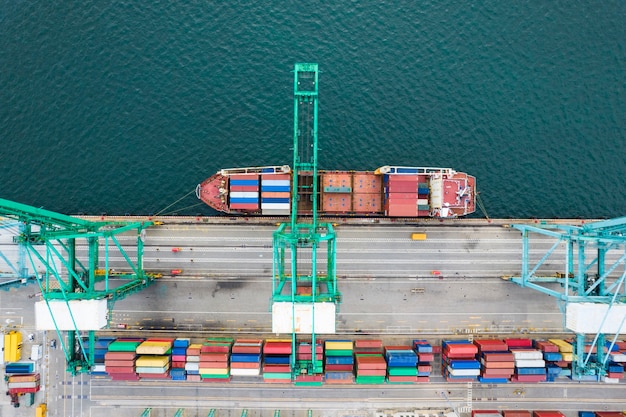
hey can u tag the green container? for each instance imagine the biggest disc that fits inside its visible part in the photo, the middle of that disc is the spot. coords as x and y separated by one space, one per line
277 375
401 371
339 352
370 379
121 346
214 376
309 383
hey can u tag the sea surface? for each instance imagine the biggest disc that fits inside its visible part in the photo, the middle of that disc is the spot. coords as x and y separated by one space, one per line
123 107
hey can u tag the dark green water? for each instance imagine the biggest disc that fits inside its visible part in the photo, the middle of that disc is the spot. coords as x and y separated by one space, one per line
123 107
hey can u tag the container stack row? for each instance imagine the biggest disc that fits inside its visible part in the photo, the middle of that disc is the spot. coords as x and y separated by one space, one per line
425 357
245 359
244 192
401 364
371 368
214 365
406 195
458 361
154 358
119 361
275 194
339 361
497 364
277 361
179 359
192 363
566 350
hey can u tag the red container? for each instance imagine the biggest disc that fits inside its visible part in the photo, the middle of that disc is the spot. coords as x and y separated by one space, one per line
518 343
215 349
244 177
119 369
131 376
244 188
491 345
309 378
308 348
425 357
245 365
549 413
423 379
244 206
498 357
402 210
154 376
402 184
461 349
114 363
424 368
546 346
397 347
277 348
609 414
370 362
529 378
479 412
371 372
499 365
498 373
213 357
124 356
369 343
399 378
276 368
275 177
246 349
337 367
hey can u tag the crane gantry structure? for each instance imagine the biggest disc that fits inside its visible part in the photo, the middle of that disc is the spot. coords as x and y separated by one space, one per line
592 281
304 250
57 242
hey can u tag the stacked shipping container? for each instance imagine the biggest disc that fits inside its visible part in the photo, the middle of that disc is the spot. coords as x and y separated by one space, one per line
154 356
245 359
406 195
214 365
119 361
244 192
401 364
276 361
458 361
192 364
496 362
275 194
339 362
425 356
179 359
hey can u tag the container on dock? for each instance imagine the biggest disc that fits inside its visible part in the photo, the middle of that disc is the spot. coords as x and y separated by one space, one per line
370 368
458 361
277 361
214 363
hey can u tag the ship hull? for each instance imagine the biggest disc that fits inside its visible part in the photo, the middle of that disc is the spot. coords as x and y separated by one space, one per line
385 192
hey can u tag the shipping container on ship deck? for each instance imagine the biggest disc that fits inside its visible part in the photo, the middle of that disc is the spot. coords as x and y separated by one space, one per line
244 192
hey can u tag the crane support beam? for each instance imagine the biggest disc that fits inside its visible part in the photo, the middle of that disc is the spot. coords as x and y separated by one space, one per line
304 250
593 271
73 273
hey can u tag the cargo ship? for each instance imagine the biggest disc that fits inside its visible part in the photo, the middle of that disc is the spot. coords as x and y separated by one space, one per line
389 191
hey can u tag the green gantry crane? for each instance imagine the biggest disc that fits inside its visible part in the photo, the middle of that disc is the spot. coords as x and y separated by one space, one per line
589 284
304 250
50 239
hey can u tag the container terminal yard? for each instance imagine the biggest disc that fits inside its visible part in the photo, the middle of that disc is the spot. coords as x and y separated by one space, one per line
310 315
396 289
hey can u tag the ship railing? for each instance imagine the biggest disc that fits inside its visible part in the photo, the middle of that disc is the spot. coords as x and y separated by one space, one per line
274 169
403 170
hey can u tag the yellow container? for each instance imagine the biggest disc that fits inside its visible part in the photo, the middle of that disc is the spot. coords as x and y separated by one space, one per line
338 345
12 346
153 348
564 347
418 236
41 410
155 361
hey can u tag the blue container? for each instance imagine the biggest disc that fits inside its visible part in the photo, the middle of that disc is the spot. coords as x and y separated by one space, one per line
276 360
243 182
339 360
586 414
465 364
275 188
245 357
608 345
423 191
552 356
455 342
401 358
422 347
553 369
181 343
274 200
179 351
244 200
614 367
492 380
530 371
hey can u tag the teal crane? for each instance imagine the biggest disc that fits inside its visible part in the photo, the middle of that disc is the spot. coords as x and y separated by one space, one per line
19 273
304 250
587 277
55 241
